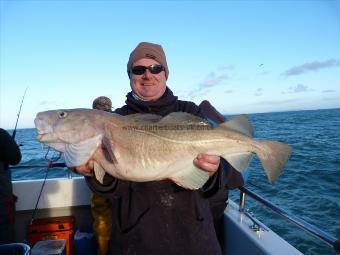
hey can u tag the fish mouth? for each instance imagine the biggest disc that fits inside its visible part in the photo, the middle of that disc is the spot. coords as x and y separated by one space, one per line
43 130
41 135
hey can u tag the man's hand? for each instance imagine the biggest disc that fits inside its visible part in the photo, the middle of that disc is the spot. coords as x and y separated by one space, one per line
86 169
208 163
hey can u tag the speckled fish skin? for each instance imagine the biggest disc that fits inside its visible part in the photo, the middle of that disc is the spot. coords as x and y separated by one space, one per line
144 147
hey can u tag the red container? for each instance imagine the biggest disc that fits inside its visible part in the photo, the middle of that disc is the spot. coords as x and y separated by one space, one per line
53 228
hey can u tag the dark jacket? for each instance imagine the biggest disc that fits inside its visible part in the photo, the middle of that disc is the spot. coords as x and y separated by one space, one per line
9 155
160 217
9 151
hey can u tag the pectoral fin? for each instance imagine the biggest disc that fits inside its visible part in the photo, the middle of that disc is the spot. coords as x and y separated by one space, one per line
78 154
190 178
99 172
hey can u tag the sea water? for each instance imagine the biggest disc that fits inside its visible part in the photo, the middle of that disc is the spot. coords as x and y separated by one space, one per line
309 187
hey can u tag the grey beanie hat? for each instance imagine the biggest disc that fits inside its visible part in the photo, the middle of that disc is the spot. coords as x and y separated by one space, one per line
148 50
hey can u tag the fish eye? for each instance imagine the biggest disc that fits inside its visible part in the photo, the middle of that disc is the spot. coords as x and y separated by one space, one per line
62 114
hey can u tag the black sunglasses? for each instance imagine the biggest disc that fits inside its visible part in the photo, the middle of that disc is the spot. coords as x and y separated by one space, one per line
154 69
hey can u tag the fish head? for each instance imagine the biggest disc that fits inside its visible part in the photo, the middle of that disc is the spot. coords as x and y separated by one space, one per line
57 127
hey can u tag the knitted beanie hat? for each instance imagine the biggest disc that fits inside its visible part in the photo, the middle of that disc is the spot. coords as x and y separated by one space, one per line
148 50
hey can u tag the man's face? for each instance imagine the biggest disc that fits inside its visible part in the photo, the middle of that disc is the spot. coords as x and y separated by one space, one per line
148 86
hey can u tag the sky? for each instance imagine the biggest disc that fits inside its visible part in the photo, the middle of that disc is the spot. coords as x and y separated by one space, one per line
242 56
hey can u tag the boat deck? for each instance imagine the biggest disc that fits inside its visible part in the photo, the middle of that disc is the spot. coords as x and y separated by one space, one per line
63 197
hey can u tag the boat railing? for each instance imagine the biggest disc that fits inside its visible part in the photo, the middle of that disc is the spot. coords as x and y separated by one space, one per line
309 228
50 165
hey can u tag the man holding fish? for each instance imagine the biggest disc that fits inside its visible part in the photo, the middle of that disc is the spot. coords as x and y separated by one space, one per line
160 172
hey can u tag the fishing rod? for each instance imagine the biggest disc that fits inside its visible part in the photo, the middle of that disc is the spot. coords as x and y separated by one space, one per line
16 123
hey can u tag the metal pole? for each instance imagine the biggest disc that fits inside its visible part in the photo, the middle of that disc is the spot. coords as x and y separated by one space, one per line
242 201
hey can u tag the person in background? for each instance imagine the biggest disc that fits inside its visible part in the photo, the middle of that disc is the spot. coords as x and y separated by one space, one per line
101 206
159 217
9 155
102 103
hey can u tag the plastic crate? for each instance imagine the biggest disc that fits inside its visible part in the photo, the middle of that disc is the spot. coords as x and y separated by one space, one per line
53 228
49 247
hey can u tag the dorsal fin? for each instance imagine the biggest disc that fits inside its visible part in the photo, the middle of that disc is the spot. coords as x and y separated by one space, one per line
184 118
139 117
240 124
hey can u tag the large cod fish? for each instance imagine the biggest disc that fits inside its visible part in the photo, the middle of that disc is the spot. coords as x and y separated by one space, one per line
146 147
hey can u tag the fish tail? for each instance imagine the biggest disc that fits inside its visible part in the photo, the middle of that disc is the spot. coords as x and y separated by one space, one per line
274 158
